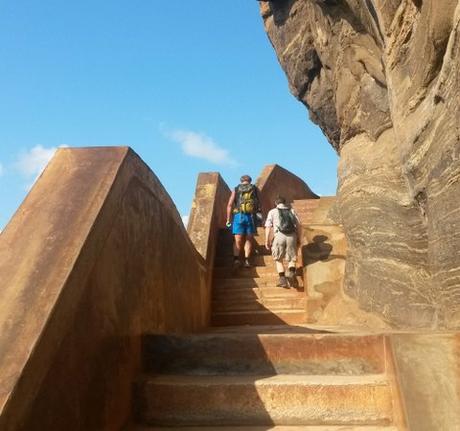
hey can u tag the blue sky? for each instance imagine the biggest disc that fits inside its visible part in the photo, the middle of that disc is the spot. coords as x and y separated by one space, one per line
191 86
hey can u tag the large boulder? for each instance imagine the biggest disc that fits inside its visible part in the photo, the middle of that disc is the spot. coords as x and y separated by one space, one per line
381 79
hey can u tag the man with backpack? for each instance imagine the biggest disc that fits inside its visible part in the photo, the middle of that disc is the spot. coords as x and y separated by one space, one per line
285 224
244 203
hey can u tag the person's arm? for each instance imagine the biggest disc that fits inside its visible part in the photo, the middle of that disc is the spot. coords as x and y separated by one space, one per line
268 230
230 206
298 226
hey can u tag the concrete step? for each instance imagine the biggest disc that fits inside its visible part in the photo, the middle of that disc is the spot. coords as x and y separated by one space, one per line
236 282
178 400
267 428
264 354
276 317
270 304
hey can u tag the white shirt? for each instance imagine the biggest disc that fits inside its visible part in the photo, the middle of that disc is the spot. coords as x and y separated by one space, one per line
273 218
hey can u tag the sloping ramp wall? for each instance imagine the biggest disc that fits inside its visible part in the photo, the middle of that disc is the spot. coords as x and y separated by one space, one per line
95 256
275 181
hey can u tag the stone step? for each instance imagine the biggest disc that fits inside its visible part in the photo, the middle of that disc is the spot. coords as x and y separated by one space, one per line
276 317
236 282
178 400
270 304
264 354
257 260
267 428
255 271
226 250
224 294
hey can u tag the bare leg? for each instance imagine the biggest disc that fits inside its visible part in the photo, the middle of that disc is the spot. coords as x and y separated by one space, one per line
239 245
248 246
279 266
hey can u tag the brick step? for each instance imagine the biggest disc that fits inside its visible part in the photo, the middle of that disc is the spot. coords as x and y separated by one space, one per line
267 428
223 294
241 282
276 317
270 304
264 354
255 271
178 400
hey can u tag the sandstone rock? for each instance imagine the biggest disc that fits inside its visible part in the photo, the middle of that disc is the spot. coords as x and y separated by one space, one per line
381 79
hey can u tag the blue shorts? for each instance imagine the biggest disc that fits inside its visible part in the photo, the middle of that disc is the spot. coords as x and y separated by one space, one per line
243 224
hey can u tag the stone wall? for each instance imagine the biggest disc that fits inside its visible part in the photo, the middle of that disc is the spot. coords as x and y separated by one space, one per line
96 256
382 80
427 368
207 217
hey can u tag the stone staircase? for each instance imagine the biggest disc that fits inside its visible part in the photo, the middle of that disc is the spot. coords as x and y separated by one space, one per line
244 380
249 296
260 367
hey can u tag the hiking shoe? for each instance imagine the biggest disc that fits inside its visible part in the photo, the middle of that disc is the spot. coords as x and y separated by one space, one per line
291 276
291 272
236 263
247 264
282 282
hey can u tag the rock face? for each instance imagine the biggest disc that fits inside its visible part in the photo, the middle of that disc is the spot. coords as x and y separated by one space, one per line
381 79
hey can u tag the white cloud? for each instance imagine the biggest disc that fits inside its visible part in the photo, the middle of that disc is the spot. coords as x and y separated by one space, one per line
32 162
185 219
201 146
2 170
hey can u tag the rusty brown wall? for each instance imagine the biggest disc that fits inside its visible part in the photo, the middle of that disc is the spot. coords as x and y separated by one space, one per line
275 180
208 213
207 216
96 256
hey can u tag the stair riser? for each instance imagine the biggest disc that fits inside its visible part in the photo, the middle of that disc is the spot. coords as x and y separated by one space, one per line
255 293
258 260
266 404
251 318
264 354
261 304
249 282
271 428
257 271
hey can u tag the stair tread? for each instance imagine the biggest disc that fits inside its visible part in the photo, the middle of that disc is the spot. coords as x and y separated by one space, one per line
272 428
278 379
262 312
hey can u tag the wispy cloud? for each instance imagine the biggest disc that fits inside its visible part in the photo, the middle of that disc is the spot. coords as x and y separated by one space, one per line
32 163
2 170
201 146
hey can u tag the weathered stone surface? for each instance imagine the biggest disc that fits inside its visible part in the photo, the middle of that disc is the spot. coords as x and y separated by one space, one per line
427 367
382 80
208 213
87 265
266 400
